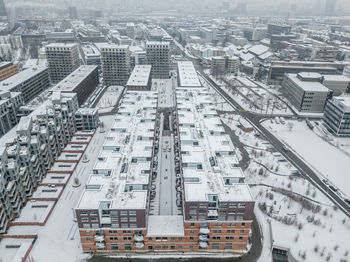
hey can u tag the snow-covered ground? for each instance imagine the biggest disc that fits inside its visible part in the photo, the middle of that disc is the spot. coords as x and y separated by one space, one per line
302 218
59 239
328 160
109 99
253 98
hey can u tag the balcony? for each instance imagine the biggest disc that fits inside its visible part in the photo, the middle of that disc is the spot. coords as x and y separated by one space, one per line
204 231
203 238
138 238
100 245
203 244
139 244
99 238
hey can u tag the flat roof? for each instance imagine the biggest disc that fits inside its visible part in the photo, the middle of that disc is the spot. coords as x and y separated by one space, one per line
336 78
160 226
121 173
140 75
308 86
69 83
21 77
187 74
61 44
210 163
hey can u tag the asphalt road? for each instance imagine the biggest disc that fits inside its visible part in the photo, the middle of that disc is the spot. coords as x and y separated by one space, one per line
303 168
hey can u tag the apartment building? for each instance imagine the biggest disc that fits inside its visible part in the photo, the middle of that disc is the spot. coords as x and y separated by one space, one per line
305 92
158 55
10 102
87 119
337 83
205 204
337 116
218 65
82 81
7 69
115 63
232 64
29 150
140 78
62 59
30 82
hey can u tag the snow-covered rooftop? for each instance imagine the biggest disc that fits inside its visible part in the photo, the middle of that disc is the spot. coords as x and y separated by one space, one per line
209 165
121 173
170 226
308 86
187 75
140 75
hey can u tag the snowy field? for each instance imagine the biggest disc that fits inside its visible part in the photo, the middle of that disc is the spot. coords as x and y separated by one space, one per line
302 218
35 212
109 99
330 162
13 249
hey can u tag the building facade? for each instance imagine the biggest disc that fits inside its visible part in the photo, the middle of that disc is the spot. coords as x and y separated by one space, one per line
305 92
158 56
62 59
337 115
115 64
7 69
140 78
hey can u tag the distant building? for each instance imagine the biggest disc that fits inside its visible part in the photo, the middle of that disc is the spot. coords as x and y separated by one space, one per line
30 82
82 81
278 29
337 115
140 78
305 92
2 8
115 61
158 55
7 69
62 59
73 12
330 7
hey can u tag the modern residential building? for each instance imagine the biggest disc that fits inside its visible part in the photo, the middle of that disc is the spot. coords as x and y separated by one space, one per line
92 55
218 65
62 59
186 75
10 102
30 82
87 119
305 91
337 83
158 55
29 150
83 81
210 208
232 64
337 115
7 69
115 63
140 78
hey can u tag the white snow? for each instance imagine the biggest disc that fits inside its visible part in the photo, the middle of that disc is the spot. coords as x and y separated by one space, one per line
328 160
165 226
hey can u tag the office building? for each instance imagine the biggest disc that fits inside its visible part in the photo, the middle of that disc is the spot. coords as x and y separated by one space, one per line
30 82
115 63
3 11
7 69
83 81
337 116
62 59
305 92
218 65
158 55
140 78
279 68
337 83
